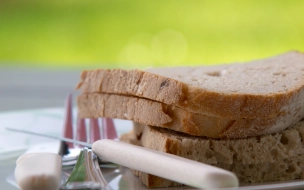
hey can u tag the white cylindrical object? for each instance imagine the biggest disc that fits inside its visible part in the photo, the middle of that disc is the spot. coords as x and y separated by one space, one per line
164 165
36 171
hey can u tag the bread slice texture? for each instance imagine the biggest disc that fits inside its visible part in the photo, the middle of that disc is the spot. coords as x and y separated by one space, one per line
257 89
95 105
254 150
276 157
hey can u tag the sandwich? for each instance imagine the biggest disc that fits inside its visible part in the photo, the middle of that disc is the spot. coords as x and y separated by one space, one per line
243 117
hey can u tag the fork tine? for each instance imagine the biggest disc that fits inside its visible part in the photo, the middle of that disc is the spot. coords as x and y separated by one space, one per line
94 130
102 130
81 133
109 129
68 120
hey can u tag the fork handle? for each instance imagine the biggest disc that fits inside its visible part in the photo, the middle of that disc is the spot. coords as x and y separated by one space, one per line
164 165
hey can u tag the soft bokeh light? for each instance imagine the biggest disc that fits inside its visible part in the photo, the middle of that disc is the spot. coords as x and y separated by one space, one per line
137 34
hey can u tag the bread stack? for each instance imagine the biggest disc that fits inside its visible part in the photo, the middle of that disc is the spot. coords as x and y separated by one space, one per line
241 117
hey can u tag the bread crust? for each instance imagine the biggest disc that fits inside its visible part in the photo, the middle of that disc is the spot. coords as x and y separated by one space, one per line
95 105
244 96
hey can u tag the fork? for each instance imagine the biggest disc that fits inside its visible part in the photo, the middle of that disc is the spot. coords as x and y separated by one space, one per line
93 178
70 152
99 128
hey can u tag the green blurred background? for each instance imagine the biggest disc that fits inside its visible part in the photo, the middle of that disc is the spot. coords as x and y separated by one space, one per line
139 34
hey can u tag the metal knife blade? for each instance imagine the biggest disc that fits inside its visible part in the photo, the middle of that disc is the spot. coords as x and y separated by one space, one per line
50 136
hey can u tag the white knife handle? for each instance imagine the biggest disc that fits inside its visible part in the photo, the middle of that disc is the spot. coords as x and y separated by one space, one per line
164 165
38 171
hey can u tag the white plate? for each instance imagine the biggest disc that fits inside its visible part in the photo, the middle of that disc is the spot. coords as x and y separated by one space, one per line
50 121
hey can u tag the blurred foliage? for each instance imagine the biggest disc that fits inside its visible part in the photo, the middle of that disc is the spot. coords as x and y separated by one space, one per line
136 34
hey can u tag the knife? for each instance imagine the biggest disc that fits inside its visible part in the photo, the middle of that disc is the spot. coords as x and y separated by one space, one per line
175 168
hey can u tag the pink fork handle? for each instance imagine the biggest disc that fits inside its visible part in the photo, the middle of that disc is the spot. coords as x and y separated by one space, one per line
94 130
68 120
109 130
81 134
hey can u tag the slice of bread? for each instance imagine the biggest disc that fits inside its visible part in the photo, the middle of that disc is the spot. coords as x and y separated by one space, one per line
153 113
257 89
276 157
253 150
